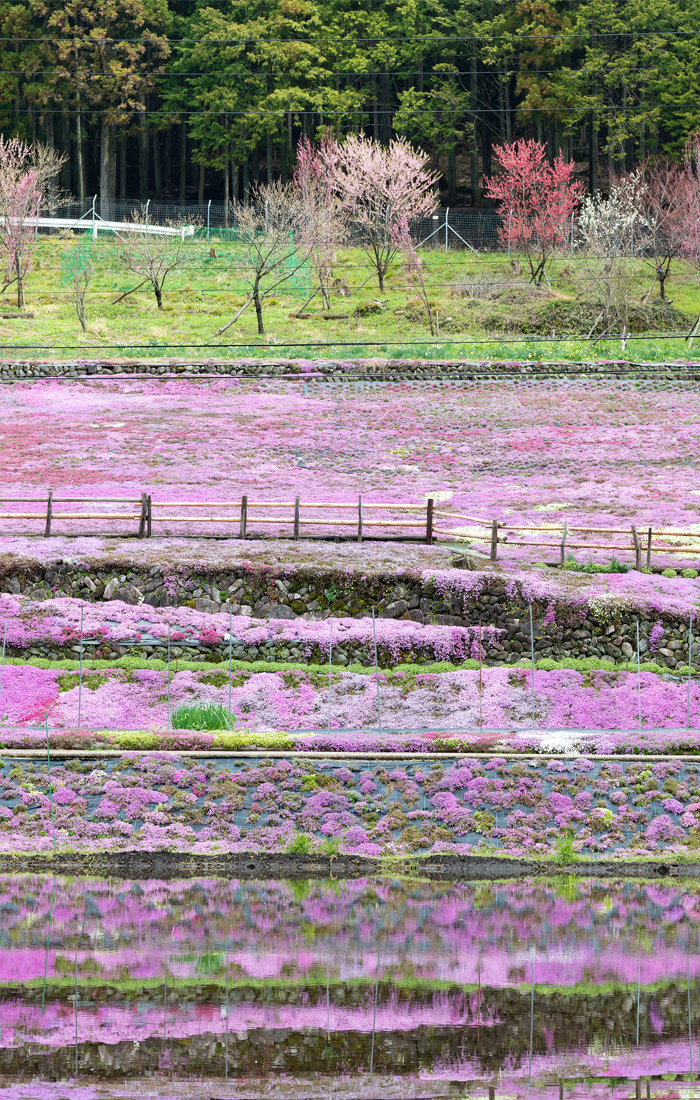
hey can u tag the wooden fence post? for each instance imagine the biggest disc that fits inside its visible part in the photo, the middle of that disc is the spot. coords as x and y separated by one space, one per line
359 518
494 540
144 511
637 549
149 516
244 516
49 510
649 549
296 519
429 522
563 542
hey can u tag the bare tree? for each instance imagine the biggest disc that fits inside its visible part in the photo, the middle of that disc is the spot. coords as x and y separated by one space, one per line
77 289
151 255
274 243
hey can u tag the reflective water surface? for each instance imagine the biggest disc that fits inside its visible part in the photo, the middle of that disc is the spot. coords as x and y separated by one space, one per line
365 988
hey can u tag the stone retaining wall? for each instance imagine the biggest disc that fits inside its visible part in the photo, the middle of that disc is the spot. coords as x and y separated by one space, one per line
572 632
349 370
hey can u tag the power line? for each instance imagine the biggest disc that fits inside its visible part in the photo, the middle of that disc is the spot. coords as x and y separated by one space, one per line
243 40
358 109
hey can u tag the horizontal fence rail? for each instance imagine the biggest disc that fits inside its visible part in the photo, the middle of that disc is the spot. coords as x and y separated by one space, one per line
248 517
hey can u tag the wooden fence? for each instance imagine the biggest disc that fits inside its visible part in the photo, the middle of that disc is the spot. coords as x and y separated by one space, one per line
415 522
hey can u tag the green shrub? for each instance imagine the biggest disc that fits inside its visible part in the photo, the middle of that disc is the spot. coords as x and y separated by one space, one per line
202 716
669 573
300 845
691 574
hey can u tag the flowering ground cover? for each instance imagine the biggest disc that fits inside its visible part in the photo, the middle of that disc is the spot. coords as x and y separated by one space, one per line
593 452
292 698
161 801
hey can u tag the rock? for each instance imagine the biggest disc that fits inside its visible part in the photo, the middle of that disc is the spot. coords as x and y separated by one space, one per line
209 606
245 609
40 594
627 650
12 586
260 609
280 611
394 610
416 615
111 588
127 594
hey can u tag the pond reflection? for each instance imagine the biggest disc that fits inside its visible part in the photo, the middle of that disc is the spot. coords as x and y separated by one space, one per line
364 988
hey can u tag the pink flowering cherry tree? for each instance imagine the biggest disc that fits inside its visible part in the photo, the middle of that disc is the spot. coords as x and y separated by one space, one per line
376 187
26 173
537 201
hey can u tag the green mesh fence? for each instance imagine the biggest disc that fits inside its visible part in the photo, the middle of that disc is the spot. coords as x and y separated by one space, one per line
75 260
299 282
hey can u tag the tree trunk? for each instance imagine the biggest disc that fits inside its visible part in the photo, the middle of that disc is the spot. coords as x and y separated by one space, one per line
246 182
258 311
592 156
452 176
20 286
157 167
471 132
269 160
168 160
108 169
200 193
375 106
122 169
227 168
79 159
67 150
385 106
183 162
159 296
143 152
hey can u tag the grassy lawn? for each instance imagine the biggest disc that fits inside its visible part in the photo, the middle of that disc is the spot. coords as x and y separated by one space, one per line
485 307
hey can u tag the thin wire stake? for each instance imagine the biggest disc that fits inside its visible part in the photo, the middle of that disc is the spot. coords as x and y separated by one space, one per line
376 669
374 1020
48 761
532 1019
330 662
639 680
80 673
690 1029
639 980
532 657
227 1013
168 726
76 1013
2 662
230 649
690 663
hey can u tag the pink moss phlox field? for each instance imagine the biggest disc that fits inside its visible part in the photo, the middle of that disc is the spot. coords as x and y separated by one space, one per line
165 802
57 622
490 699
571 449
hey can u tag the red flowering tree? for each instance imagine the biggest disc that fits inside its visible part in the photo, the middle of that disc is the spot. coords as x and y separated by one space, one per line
537 201
321 224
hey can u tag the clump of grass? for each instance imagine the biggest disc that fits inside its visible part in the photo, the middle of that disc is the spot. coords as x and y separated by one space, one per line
300 845
202 716
564 851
